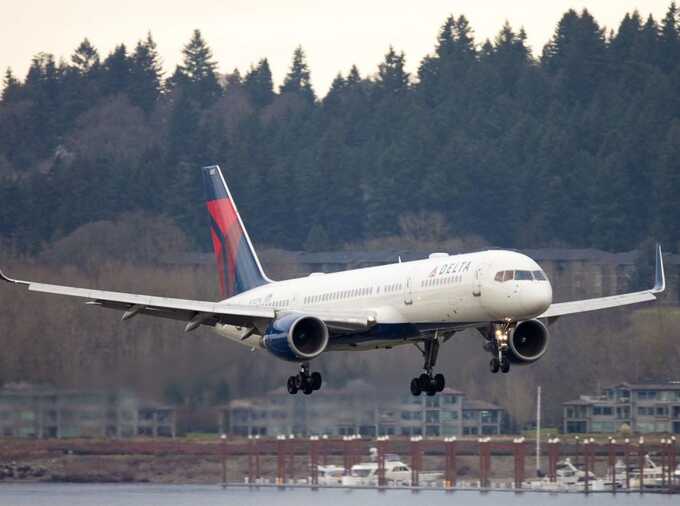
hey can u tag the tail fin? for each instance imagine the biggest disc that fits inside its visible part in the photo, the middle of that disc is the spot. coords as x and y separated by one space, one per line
237 263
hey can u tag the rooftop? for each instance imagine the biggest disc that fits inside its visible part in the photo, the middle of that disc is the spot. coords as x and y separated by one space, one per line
480 406
671 385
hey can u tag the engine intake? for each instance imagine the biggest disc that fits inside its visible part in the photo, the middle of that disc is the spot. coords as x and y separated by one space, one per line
296 337
528 341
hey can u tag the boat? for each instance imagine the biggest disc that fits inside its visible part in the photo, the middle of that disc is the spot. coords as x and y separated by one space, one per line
569 478
397 473
330 475
652 475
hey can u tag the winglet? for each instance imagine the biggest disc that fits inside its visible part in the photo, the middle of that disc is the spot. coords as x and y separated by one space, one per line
659 275
6 278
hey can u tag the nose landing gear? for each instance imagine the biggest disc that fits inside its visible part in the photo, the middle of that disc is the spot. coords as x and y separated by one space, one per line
428 382
304 380
497 345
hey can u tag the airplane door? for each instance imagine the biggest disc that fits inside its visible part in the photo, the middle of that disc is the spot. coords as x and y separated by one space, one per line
408 290
477 285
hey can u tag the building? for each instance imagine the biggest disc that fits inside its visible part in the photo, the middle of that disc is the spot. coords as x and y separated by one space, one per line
356 410
43 412
643 408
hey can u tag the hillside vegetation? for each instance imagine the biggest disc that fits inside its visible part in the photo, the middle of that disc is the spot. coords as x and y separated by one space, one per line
578 145
486 144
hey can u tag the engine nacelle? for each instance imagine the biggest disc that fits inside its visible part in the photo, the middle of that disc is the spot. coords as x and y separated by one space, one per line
527 342
296 337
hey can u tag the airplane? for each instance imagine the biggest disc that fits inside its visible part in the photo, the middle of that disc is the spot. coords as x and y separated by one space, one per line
503 294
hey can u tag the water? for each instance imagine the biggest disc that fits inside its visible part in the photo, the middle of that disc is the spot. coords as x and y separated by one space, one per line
185 495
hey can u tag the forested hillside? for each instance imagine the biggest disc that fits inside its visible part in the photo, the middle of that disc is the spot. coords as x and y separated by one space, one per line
578 145
486 144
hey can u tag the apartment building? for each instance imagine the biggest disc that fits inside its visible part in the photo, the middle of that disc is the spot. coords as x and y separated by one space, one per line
357 409
32 411
641 408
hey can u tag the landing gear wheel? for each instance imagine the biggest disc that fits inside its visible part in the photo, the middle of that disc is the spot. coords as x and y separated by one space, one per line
304 380
439 382
315 380
505 365
415 387
494 365
292 385
427 382
307 387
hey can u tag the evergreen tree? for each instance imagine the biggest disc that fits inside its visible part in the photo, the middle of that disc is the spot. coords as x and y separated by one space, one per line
443 74
11 87
334 97
234 80
621 46
576 53
392 78
353 77
646 46
117 71
669 41
430 70
259 85
298 80
510 55
198 71
86 58
317 239
667 186
146 74
42 88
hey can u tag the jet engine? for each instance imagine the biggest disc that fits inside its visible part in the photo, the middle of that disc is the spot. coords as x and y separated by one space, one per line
527 342
296 337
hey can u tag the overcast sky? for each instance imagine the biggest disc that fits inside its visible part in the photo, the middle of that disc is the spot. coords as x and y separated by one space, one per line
334 35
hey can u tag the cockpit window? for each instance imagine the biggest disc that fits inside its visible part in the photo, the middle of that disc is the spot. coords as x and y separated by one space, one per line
540 276
504 276
523 275
520 276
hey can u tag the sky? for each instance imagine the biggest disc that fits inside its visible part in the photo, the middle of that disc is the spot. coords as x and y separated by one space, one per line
334 35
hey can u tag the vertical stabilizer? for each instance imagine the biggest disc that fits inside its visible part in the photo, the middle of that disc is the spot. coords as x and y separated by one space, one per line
237 263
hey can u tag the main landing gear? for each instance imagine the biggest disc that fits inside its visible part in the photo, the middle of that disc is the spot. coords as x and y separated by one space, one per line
497 345
304 380
427 382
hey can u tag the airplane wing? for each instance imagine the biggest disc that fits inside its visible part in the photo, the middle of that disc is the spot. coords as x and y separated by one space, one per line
581 306
194 312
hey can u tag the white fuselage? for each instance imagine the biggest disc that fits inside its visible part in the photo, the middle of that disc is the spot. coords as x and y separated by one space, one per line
454 291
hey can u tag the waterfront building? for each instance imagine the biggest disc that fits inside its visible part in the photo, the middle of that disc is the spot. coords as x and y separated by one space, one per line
354 411
639 408
32 411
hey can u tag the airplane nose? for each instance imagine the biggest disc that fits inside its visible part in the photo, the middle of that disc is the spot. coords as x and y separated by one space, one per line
536 298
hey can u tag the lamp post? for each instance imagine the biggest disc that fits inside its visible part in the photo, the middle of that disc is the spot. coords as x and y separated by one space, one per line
641 462
223 448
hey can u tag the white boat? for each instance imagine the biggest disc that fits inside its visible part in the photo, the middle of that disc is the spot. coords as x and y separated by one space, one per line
569 478
330 475
365 474
652 475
